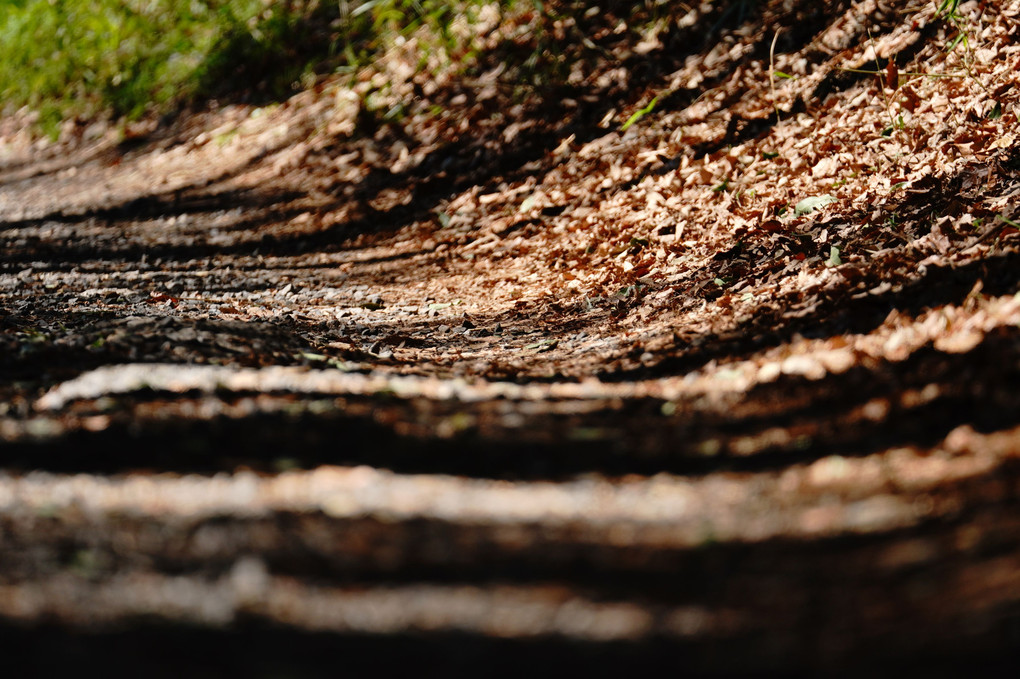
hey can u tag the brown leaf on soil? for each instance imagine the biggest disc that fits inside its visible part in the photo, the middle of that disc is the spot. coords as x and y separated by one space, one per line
892 75
162 298
772 225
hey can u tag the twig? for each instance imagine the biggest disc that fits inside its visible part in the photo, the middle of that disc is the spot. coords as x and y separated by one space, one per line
911 74
772 72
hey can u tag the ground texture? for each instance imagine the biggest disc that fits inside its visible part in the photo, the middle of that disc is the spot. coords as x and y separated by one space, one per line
504 381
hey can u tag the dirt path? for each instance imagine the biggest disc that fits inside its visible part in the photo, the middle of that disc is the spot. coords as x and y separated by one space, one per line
531 387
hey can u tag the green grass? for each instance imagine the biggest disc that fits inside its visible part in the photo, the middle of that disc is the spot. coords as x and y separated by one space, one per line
76 57
65 58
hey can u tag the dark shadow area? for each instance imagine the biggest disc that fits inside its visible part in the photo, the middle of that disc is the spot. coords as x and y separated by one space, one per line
259 650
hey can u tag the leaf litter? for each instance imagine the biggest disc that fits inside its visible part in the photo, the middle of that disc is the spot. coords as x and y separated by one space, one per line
797 294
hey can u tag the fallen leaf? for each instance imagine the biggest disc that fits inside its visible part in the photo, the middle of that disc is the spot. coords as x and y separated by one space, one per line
813 203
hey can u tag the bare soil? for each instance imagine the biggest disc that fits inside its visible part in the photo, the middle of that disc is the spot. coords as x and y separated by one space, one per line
501 384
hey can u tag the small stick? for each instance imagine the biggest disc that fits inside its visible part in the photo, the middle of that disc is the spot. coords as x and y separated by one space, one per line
772 71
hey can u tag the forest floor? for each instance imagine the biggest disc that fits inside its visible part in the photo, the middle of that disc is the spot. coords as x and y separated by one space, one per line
506 380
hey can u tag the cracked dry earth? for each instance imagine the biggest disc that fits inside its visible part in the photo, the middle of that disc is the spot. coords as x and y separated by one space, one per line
530 393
